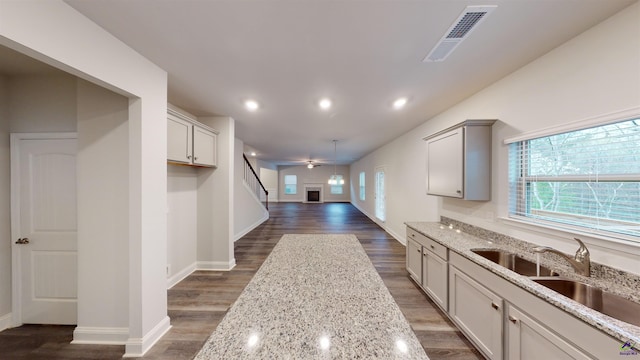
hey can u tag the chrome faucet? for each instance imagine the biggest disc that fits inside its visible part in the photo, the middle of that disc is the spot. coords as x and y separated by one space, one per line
581 262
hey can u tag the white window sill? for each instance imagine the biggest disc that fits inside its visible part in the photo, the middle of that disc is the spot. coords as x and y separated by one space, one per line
630 245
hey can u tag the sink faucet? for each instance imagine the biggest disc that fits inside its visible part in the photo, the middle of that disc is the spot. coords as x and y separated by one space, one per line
580 262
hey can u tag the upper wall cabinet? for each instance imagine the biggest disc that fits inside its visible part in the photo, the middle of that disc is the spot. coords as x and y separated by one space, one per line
459 161
189 142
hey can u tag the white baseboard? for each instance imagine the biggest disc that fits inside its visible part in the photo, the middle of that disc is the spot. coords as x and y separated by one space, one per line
252 226
399 238
5 321
100 335
137 347
181 275
216 265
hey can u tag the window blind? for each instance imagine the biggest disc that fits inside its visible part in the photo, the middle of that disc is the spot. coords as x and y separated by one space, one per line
587 179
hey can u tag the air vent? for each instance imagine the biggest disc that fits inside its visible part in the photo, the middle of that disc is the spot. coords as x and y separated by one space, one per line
466 22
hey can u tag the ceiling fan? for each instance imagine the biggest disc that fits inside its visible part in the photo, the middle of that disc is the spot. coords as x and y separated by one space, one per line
311 164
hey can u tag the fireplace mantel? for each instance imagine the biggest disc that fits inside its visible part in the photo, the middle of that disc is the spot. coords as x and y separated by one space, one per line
319 187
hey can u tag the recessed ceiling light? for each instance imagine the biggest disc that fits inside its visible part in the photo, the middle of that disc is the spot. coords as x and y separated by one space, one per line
324 104
251 105
400 103
253 153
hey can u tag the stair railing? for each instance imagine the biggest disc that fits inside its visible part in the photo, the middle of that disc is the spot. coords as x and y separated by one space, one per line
253 181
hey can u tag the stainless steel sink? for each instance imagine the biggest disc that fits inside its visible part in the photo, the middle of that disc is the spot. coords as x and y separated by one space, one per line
607 303
513 262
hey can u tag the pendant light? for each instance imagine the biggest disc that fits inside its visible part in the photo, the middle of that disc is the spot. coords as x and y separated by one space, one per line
333 179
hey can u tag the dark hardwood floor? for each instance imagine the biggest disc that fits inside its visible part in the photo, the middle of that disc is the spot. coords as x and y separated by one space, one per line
198 303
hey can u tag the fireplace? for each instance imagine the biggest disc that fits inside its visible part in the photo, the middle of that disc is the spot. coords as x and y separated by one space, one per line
313 193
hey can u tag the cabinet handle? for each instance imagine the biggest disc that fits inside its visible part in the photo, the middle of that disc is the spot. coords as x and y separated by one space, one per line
195 158
413 235
189 157
495 306
418 250
459 191
432 247
424 254
513 320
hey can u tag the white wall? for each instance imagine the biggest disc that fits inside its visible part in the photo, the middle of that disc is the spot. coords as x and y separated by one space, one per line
103 217
43 103
182 221
55 33
404 164
317 175
5 207
269 179
249 211
593 74
215 201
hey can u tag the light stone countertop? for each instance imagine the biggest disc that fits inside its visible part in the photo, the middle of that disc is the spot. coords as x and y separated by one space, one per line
462 243
315 297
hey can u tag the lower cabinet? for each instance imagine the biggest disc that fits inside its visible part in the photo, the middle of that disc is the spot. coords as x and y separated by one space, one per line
529 339
427 265
503 320
414 260
434 277
477 311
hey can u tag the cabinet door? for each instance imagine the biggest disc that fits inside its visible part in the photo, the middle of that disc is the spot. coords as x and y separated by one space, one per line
528 339
414 260
445 164
204 147
477 311
179 140
434 277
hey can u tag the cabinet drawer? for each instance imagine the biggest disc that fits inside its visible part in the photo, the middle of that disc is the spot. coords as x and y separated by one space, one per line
416 236
428 243
436 248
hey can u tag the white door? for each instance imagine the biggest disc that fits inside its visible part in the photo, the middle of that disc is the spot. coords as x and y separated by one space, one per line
44 228
380 195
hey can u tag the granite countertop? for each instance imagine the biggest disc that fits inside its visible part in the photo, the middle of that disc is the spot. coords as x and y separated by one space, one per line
315 297
462 243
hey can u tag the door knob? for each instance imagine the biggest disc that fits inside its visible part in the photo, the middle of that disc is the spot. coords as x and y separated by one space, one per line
22 241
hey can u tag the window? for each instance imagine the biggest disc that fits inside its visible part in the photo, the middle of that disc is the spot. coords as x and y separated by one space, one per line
381 212
290 184
587 180
337 189
362 187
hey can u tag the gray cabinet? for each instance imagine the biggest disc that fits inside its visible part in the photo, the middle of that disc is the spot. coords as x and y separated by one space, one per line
477 311
503 320
189 142
427 266
527 338
459 161
414 259
434 273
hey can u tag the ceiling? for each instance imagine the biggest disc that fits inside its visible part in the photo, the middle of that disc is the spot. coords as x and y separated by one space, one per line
362 55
